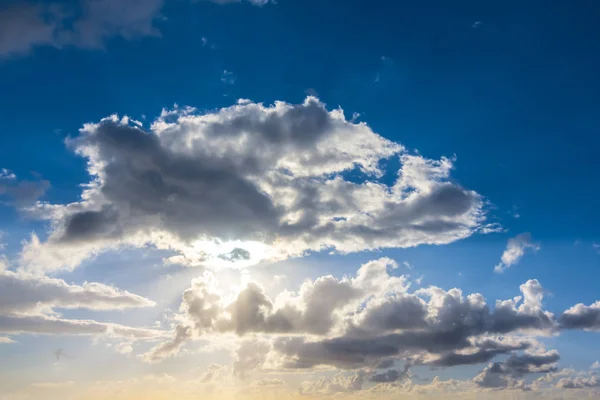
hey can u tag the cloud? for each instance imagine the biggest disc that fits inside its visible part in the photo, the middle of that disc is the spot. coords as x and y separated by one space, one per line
391 375
5 340
515 250
28 305
228 77
44 325
21 192
35 295
505 374
581 316
485 351
315 309
452 324
337 384
270 181
580 382
87 24
7 174
361 321
249 355
25 25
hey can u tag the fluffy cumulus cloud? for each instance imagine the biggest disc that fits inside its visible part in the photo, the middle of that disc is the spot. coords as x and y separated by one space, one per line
581 316
515 250
364 321
251 182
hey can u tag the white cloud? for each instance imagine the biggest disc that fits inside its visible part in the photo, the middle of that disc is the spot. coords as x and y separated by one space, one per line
44 325
373 314
581 316
228 77
515 250
249 183
7 174
5 340
88 24
20 294
28 305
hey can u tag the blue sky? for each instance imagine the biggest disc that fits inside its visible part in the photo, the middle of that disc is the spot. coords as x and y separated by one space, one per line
505 90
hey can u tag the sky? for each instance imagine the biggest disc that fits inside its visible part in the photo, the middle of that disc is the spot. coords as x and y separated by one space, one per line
258 199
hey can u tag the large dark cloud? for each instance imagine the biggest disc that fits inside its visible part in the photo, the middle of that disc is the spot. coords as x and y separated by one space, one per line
271 175
369 321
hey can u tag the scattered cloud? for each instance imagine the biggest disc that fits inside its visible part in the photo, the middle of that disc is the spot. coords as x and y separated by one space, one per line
581 316
579 382
20 192
46 325
29 304
228 77
25 25
515 250
86 24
